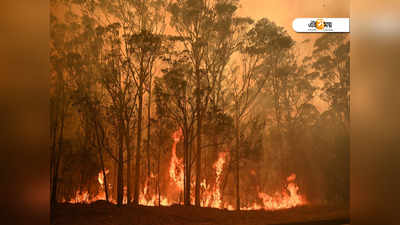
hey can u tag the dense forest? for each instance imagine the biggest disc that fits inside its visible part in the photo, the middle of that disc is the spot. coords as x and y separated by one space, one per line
159 102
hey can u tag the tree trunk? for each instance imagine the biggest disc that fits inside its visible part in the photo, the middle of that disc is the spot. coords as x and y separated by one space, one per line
185 170
57 162
149 128
53 168
198 157
187 160
104 176
100 144
138 145
120 182
129 168
237 162
158 177
115 176
53 135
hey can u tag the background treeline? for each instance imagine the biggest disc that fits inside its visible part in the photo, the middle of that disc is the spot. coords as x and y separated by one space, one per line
126 74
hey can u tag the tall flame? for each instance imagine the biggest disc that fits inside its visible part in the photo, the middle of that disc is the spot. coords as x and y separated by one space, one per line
176 164
212 196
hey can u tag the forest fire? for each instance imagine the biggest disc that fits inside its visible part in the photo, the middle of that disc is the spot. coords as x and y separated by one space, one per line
289 197
202 107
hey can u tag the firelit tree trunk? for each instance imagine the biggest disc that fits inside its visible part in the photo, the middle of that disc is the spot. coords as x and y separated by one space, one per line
237 162
138 145
100 145
149 128
120 182
53 156
198 147
187 160
158 177
53 169
198 163
57 153
115 176
129 167
102 165
185 174
58 159
105 178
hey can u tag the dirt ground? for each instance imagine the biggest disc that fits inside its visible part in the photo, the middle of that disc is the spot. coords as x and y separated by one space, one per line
101 213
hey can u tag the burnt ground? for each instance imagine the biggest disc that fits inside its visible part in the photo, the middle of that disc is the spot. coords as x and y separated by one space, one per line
101 213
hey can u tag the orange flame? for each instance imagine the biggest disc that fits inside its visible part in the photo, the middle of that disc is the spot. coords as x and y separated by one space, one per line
84 197
211 195
176 164
284 200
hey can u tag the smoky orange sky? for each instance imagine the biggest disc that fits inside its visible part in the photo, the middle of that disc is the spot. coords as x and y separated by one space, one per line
283 12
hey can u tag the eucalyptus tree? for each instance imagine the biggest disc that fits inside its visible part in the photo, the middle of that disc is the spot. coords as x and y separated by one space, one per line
228 34
209 32
121 94
258 55
59 100
65 64
140 33
144 25
192 22
331 63
175 100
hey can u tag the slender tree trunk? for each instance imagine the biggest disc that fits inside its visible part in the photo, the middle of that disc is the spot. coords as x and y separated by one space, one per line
100 146
138 145
104 175
187 168
198 163
53 135
53 165
158 177
129 167
149 127
115 181
237 162
57 154
58 159
55 179
198 159
120 182
185 173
